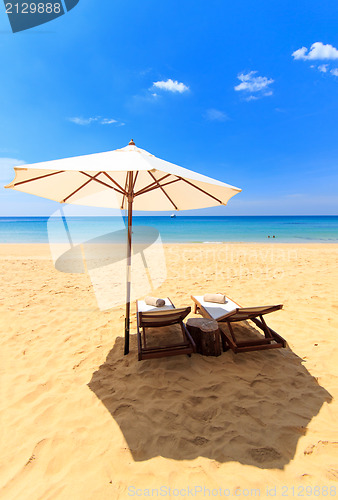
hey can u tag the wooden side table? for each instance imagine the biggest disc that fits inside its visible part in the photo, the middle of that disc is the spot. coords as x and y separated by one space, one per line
206 336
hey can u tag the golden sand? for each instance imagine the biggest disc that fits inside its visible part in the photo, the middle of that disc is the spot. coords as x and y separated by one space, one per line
81 421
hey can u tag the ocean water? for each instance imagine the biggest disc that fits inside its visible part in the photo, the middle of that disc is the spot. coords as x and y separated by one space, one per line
181 229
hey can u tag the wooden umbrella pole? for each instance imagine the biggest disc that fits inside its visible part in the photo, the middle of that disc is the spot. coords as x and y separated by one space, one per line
129 245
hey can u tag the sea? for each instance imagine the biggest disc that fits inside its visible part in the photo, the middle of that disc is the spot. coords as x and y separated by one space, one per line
179 229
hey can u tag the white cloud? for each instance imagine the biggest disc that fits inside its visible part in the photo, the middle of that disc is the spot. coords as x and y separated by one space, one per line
216 115
251 98
171 86
81 121
300 53
317 51
323 68
254 84
6 169
108 121
87 121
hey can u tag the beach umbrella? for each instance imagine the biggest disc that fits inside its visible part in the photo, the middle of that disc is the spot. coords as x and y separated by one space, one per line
139 180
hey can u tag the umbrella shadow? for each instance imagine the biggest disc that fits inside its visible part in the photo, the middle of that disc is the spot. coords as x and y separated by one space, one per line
251 408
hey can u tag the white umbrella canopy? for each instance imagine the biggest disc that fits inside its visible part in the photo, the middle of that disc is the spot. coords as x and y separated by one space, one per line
140 181
87 180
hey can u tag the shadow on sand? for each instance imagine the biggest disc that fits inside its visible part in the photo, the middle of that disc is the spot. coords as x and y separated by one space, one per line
251 407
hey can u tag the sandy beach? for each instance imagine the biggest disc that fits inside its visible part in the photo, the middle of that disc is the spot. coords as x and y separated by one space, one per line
81 421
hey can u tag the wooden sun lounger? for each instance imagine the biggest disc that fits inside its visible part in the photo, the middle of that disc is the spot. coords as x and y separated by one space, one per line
231 312
158 317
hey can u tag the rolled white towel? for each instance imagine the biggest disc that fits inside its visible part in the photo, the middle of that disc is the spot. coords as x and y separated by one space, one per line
219 298
154 301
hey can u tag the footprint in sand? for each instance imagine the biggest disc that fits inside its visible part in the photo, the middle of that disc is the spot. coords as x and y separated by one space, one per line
320 446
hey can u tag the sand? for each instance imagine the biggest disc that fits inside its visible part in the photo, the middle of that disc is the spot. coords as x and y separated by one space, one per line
81 421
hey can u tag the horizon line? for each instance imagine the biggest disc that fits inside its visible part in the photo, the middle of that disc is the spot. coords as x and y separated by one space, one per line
168 215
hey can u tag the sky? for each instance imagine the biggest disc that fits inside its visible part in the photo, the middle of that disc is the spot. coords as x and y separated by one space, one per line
245 92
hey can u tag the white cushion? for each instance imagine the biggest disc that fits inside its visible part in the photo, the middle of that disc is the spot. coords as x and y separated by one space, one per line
217 310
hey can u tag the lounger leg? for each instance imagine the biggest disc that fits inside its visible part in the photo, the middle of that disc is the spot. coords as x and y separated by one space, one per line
184 334
195 308
225 346
274 335
187 337
266 329
231 332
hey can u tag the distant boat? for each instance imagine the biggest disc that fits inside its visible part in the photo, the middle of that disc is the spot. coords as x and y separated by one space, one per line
173 216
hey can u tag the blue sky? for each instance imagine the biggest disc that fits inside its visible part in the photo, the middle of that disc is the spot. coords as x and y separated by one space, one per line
246 92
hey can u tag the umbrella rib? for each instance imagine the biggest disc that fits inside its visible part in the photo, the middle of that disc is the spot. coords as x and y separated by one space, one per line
202 190
79 188
170 182
152 184
163 190
37 178
125 188
116 183
100 182
135 180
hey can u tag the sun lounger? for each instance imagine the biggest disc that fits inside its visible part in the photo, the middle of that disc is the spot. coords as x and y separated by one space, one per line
231 312
157 318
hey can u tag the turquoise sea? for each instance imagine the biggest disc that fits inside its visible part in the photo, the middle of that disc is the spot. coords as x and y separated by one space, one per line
181 229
